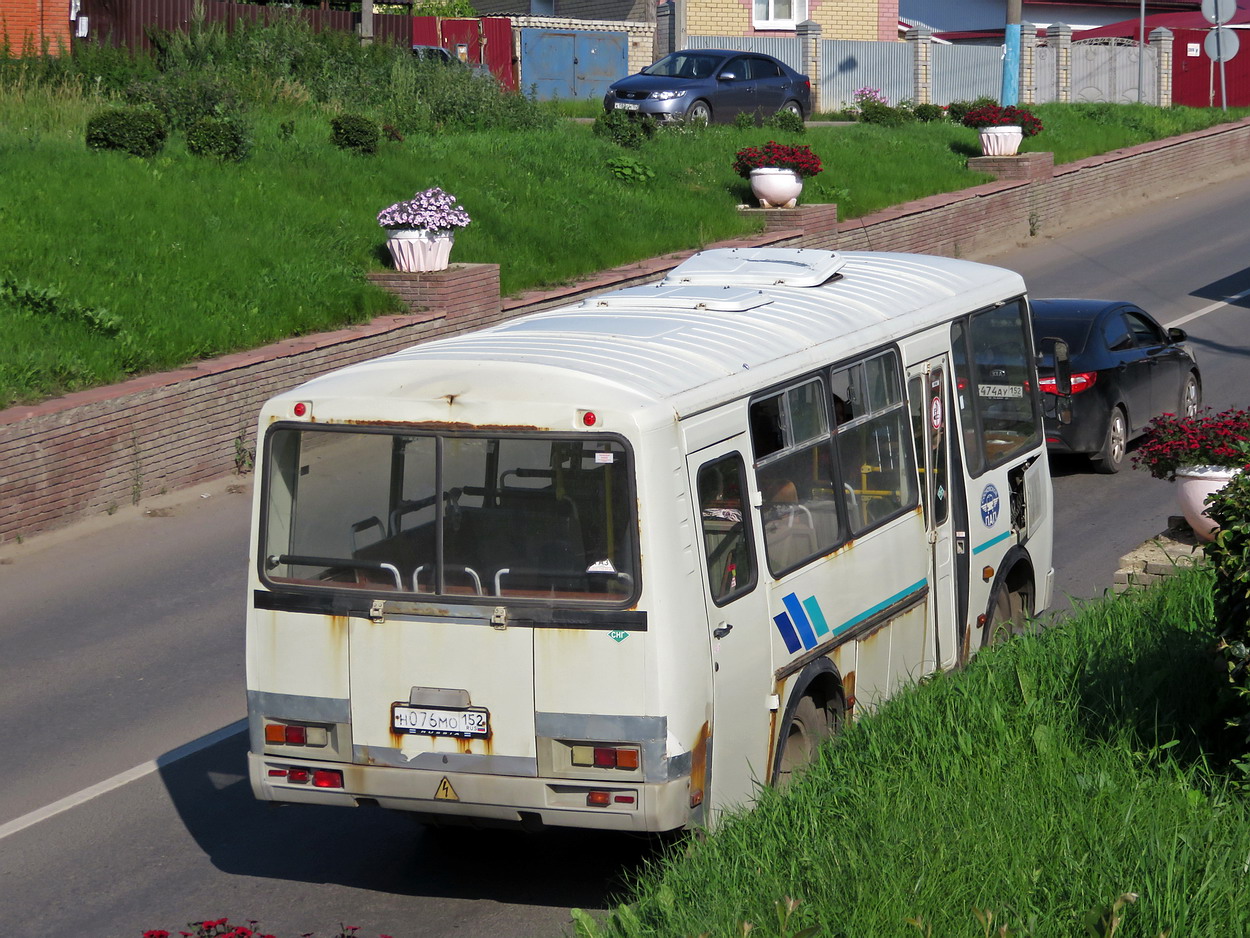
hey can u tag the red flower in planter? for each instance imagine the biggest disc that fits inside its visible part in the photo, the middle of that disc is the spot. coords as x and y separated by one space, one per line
798 158
992 115
1206 439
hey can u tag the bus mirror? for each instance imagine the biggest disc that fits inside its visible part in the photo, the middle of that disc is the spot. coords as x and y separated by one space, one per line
1063 368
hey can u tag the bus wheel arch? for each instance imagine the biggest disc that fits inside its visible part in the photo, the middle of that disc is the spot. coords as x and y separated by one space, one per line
1012 598
815 711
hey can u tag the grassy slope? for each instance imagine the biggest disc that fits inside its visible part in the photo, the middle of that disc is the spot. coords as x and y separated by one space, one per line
187 258
1055 774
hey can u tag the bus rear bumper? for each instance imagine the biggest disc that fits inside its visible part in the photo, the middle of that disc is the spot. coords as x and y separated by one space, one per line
624 806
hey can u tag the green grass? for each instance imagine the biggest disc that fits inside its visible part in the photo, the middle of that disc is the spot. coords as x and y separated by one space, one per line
1055 774
112 266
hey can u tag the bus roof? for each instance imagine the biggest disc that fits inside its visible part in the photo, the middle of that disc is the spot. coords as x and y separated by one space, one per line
685 342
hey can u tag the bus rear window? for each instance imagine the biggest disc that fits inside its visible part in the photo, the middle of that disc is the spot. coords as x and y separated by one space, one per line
520 517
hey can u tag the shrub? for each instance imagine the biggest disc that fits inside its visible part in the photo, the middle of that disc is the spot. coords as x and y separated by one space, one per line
1229 554
184 99
138 131
872 112
787 121
624 130
957 109
356 133
744 120
226 138
929 112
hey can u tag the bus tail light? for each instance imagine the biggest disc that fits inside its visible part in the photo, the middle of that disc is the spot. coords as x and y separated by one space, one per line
605 757
327 778
299 775
285 734
604 799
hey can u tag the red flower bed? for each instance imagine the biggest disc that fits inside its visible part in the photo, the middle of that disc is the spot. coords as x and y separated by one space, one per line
992 115
799 158
1206 439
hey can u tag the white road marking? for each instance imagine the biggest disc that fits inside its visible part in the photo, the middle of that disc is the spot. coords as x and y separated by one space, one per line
1208 309
117 781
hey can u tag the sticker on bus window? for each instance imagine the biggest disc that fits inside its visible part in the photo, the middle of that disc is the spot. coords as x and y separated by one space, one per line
605 457
935 413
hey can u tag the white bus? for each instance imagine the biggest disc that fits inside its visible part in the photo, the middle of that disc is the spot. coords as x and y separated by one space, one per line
616 565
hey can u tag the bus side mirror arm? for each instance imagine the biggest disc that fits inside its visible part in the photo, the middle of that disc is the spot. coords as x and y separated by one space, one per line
1063 378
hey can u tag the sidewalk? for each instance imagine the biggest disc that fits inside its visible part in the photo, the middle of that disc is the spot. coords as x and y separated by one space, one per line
1176 548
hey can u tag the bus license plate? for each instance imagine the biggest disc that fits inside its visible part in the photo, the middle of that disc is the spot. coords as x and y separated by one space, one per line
625 106
435 721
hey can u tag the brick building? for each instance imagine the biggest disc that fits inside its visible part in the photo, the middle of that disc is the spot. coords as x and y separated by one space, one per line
838 19
36 25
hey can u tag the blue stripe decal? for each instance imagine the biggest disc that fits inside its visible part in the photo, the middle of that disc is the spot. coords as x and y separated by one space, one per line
816 615
787 632
799 618
885 603
991 542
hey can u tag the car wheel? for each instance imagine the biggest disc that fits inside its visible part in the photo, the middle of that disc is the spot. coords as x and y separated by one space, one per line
1191 396
700 112
1110 458
794 108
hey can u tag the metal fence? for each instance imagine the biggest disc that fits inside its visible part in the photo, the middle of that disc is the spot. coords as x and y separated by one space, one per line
850 64
964 73
787 49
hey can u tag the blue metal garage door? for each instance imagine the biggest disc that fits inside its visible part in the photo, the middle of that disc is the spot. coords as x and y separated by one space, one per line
572 64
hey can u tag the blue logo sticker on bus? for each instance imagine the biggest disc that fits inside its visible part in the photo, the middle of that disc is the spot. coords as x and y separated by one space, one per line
989 506
803 624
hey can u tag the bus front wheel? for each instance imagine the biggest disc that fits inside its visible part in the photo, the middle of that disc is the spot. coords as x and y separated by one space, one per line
1006 617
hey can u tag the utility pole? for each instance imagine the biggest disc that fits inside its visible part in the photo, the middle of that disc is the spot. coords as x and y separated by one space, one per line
1011 54
1141 52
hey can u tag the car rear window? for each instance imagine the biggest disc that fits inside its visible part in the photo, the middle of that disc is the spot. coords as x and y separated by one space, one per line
1073 331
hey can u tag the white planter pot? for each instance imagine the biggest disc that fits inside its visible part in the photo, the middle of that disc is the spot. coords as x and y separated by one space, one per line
1193 485
417 250
1001 141
776 188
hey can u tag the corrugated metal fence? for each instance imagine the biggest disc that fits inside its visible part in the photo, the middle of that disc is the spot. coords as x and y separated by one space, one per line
128 22
964 73
850 64
787 49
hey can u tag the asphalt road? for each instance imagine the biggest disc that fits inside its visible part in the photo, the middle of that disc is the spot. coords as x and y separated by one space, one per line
121 652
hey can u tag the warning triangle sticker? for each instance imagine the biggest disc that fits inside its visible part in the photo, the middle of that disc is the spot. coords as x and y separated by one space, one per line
445 792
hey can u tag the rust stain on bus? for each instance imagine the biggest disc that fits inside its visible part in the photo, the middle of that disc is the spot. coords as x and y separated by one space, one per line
453 425
848 691
698 766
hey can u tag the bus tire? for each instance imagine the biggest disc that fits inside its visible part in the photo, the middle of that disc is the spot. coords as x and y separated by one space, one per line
810 724
1006 617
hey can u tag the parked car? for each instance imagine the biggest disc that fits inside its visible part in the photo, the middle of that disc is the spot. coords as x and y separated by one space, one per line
712 85
1126 370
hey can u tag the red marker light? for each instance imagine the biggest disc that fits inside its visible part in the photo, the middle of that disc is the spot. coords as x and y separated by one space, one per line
598 799
327 778
589 419
301 409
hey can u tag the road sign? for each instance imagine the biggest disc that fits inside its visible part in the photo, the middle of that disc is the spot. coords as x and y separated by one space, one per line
1221 44
1218 12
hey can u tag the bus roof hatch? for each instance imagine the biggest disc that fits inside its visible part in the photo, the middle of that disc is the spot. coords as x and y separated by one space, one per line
667 296
791 267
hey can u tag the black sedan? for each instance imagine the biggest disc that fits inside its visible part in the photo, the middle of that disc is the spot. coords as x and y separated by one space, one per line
712 85
1126 370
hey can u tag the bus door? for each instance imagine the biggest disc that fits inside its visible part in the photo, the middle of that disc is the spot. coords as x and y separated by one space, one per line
944 513
740 632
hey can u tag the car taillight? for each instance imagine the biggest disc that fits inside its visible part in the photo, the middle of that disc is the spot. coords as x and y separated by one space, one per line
1081 381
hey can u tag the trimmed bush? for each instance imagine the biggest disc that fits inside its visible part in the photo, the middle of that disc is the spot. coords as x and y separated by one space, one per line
873 112
225 138
623 130
137 131
1229 554
787 121
184 99
356 133
929 112
957 110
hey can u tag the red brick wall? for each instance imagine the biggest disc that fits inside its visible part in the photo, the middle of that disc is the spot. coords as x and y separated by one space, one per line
30 24
80 454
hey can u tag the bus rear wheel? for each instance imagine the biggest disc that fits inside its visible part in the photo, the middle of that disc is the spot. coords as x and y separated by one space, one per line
808 727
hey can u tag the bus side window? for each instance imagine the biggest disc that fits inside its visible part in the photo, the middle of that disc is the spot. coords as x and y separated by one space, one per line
794 471
726 529
874 443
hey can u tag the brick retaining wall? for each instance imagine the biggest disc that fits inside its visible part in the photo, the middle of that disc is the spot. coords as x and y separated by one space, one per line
90 451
